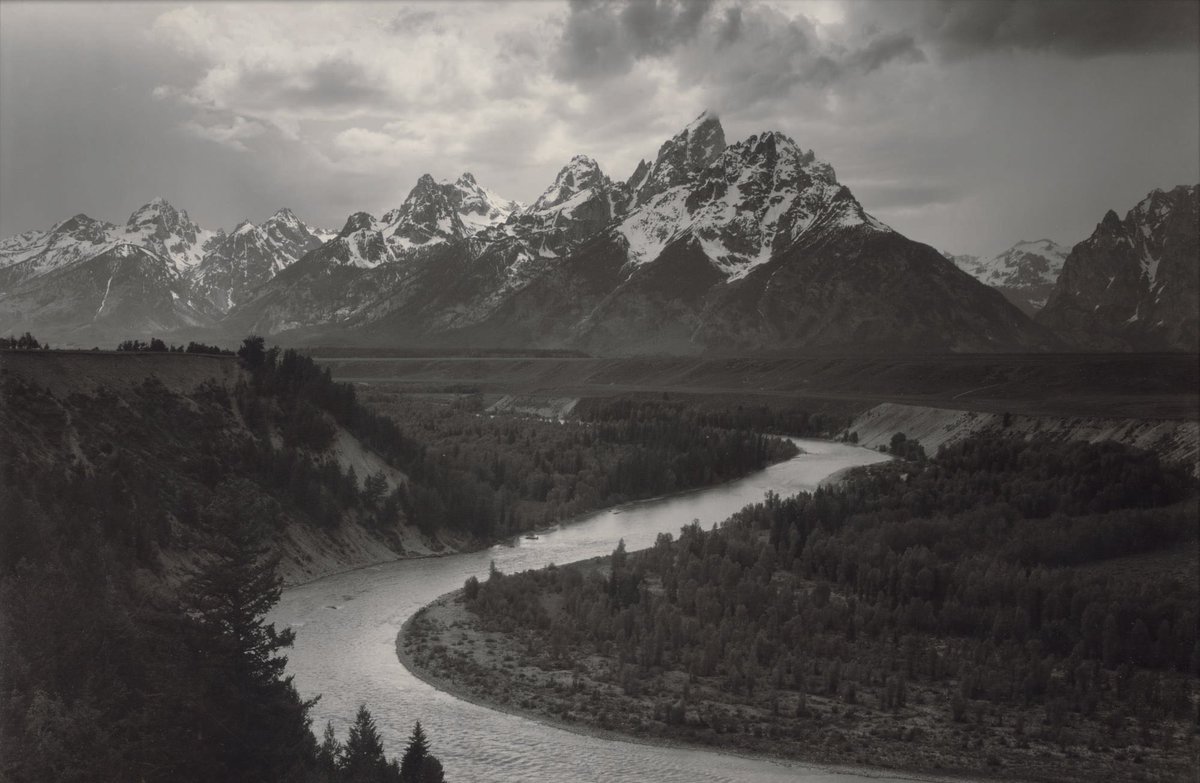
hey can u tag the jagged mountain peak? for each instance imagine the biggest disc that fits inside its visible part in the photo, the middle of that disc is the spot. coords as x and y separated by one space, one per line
80 224
1111 220
359 221
679 158
1133 282
284 215
705 118
573 181
156 210
748 204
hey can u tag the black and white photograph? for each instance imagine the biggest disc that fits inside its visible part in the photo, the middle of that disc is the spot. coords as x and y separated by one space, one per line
600 391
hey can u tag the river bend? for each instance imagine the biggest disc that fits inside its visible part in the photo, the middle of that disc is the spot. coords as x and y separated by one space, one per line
346 628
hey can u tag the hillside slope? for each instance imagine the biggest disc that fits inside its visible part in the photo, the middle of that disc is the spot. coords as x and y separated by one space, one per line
194 423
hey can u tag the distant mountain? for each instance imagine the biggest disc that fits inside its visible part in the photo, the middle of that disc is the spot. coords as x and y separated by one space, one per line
749 247
121 291
1134 282
1025 273
708 247
169 272
235 264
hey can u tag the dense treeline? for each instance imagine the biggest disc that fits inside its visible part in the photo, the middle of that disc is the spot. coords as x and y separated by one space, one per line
156 345
949 575
759 418
498 476
26 342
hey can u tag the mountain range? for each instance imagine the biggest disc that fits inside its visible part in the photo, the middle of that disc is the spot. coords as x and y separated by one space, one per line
709 247
1025 273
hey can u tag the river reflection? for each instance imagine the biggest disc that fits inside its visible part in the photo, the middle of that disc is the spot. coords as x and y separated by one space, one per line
346 627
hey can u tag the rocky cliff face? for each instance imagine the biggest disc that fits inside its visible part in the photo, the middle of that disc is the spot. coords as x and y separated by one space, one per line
1135 282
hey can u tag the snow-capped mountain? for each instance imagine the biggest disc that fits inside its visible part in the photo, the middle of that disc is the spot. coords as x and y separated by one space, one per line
753 200
679 158
751 246
35 253
168 233
188 275
1133 282
433 213
121 291
236 263
1025 273
156 227
581 201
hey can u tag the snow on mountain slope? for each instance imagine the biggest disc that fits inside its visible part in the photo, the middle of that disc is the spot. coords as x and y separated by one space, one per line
1133 283
1025 263
35 253
444 211
235 264
679 158
754 200
710 246
1025 273
169 233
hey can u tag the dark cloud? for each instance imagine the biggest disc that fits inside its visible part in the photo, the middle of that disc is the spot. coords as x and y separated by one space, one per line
411 21
730 28
1075 28
337 81
880 51
604 39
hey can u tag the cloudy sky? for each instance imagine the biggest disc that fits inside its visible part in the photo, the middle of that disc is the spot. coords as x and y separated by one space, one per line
967 125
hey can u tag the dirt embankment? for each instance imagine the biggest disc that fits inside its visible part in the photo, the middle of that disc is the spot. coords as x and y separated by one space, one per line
1175 440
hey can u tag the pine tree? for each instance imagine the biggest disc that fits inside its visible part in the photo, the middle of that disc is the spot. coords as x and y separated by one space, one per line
414 757
328 755
254 723
362 758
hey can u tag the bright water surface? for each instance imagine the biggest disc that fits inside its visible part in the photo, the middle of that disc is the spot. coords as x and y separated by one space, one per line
346 628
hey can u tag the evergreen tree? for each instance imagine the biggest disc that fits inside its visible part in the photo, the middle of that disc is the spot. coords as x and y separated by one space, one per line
254 722
362 758
328 755
411 766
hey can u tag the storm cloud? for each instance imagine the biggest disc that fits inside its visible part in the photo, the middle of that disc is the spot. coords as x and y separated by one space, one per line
1075 28
964 124
601 38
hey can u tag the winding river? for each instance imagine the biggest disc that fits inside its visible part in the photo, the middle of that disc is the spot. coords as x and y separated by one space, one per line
346 628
